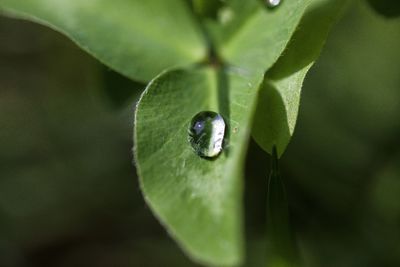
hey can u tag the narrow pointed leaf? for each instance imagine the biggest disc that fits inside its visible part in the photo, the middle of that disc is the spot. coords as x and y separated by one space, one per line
281 250
135 37
279 96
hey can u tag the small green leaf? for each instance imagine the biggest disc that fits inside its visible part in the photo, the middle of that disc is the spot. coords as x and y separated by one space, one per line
135 37
199 200
279 96
257 37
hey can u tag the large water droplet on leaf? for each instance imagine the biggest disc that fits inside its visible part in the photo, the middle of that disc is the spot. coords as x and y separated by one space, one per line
206 133
272 3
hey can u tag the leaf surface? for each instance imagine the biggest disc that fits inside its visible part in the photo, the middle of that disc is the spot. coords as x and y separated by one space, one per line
257 34
199 200
135 37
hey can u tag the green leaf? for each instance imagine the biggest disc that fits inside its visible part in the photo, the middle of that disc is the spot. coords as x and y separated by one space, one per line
199 200
135 37
279 96
258 35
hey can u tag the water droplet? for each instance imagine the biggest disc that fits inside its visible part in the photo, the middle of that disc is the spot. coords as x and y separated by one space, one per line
273 3
206 133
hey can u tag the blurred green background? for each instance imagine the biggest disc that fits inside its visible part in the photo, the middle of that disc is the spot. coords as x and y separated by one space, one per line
69 194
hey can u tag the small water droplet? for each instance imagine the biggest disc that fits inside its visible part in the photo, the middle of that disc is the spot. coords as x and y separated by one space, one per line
272 3
206 133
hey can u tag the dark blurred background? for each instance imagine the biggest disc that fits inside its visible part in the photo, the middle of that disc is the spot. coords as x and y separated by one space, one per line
69 193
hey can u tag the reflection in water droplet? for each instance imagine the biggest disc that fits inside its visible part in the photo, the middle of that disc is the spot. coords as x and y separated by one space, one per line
273 3
206 133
